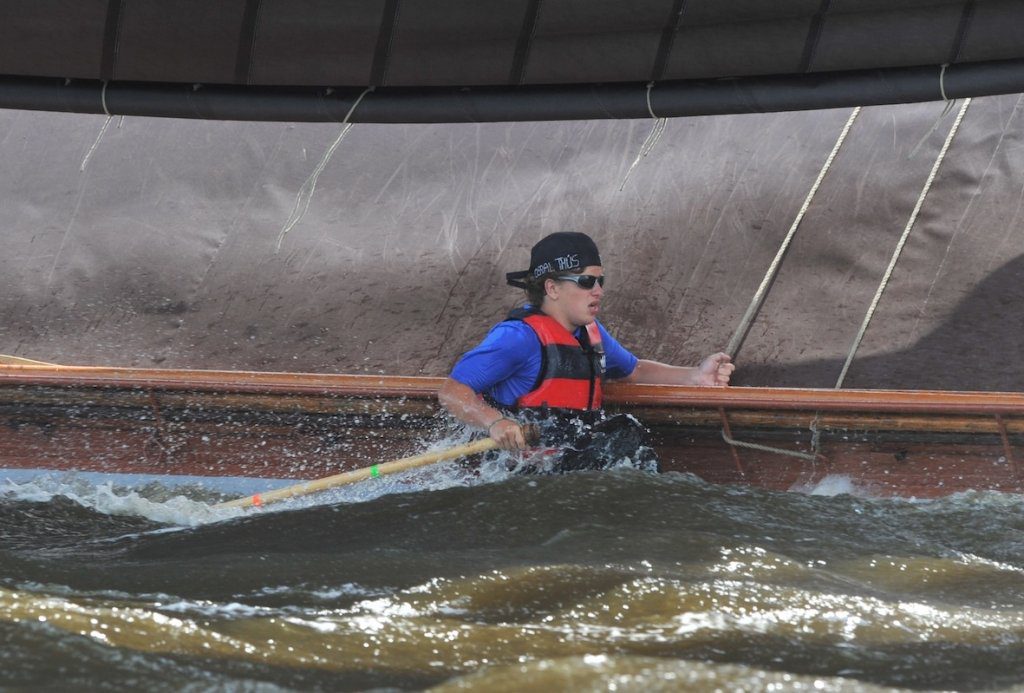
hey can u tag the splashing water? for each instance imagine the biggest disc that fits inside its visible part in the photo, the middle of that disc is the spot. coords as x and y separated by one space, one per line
467 576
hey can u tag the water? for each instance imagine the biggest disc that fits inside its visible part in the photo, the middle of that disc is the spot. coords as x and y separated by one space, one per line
442 579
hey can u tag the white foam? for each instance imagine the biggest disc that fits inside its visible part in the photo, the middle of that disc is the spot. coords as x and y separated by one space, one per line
104 497
156 497
833 485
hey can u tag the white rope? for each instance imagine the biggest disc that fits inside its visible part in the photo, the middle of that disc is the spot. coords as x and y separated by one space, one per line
935 126
650 108
305 194
106 123
652 137
8 360
902 242
755 303
96 143
103 99
946 109
767 448
815 432
759 296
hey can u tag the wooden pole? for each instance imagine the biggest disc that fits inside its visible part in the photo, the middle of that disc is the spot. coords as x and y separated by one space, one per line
355 475
8 360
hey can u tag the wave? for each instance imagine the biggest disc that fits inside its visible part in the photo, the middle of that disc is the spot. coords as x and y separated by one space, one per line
406 537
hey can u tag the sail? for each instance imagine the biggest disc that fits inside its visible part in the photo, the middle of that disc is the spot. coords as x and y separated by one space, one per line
167 242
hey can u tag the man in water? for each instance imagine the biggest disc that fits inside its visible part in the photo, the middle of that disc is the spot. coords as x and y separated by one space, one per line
548 360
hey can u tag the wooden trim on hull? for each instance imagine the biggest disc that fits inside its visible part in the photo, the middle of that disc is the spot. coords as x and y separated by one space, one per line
898 401
299 426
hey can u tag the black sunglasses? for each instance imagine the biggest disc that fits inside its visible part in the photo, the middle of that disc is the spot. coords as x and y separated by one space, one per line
584 281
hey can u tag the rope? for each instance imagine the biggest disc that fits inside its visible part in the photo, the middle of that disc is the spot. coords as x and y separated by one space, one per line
652 137
767 448
305 194
650 108
759 296
103 99
815 433
769 278
106 123
8 360
935 126
103 130
902 242
96 143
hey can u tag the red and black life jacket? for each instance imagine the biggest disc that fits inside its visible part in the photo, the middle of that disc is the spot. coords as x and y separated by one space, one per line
571 369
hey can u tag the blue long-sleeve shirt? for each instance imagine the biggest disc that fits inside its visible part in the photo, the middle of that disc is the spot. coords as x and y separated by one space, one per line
506 364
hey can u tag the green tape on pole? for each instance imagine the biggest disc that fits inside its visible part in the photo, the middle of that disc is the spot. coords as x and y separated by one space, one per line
374 471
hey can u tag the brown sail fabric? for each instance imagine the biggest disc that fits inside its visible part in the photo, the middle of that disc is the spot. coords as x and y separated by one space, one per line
165 243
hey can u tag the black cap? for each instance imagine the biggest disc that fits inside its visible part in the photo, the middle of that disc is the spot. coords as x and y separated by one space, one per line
563 251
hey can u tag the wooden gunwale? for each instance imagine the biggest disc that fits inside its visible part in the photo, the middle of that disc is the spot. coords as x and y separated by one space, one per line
619 395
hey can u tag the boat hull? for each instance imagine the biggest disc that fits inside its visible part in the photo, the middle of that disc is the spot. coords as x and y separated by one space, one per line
304 426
